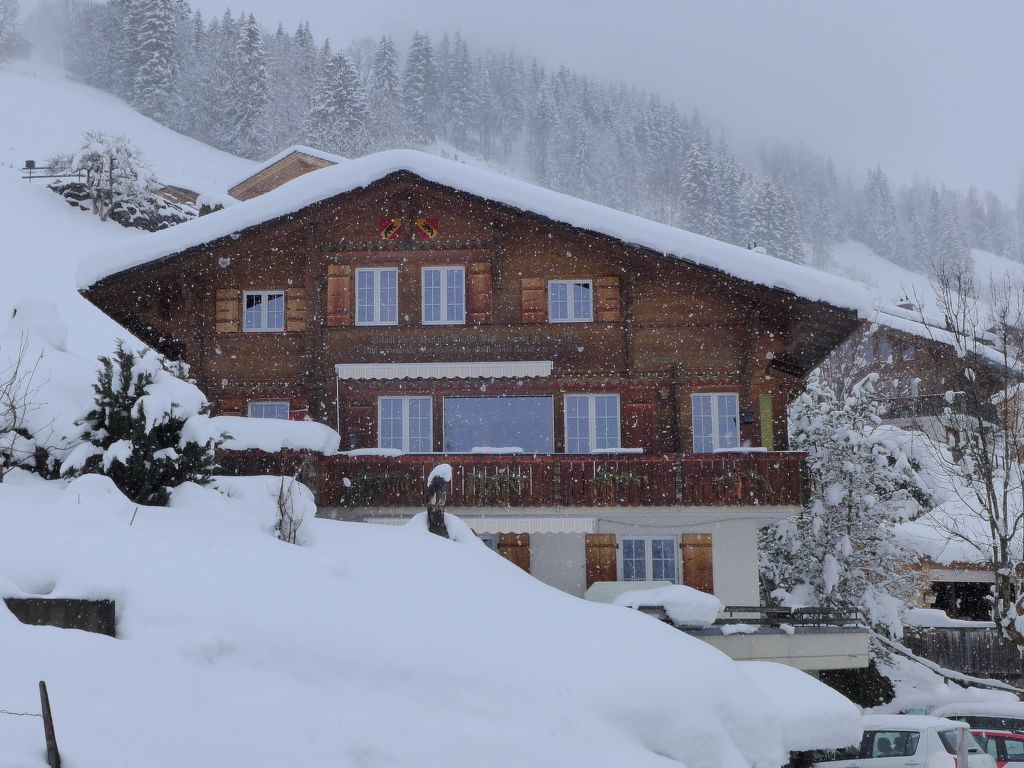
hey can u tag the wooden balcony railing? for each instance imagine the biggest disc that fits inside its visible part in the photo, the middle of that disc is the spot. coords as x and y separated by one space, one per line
739 479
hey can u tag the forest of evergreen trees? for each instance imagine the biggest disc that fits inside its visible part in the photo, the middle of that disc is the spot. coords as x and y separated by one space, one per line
234 85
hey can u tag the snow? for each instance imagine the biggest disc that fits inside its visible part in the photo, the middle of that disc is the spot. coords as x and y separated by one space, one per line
341 652
494 450
994 708
739 262
933 617
738 629
375 452
685 606
443 471
269 435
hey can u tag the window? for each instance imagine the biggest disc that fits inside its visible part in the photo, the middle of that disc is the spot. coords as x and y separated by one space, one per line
649 559
884 351
444 295
716 422
499 422
570 301
264 311
269 409
949 741
591 423
909 352
405 423
376 297
891 743
835 755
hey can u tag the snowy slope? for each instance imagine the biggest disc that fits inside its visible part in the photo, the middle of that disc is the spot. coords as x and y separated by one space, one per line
42 112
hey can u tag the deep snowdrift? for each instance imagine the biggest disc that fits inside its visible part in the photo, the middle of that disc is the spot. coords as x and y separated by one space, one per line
370 646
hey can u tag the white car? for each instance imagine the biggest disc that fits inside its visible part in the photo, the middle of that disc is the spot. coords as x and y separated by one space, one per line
907 741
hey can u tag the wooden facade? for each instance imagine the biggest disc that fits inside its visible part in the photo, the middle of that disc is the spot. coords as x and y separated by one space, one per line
663 329
272 175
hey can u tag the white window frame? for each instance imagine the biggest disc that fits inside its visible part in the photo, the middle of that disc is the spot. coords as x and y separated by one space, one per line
376 272
266 403
716 436
649 556
263 311
571 305
405 420
592 419
443 269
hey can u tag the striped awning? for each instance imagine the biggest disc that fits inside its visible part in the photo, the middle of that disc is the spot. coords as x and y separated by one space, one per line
511 524
513 369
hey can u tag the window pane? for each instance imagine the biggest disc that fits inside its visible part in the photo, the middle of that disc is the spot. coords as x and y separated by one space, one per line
275 312
702 424
431 295
634 560
577 424
253 312
582 301
558 301
419 424
391 422
268 410
499 422
728 421
663 560
388 296
606 409
364 296
456 295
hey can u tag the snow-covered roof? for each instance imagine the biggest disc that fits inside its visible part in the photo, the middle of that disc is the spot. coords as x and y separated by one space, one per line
912 323
915 722
345 177
293 149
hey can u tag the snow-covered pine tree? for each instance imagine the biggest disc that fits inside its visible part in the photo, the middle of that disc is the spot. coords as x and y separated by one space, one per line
841 551
155 48
419 90
385 96
881 224
248 130
323 123
135 429
459 97
697 187
9 35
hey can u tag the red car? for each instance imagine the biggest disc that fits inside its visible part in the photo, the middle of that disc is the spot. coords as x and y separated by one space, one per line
1007 747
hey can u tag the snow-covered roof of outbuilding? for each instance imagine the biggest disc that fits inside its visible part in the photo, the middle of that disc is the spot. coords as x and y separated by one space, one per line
301 149
311 188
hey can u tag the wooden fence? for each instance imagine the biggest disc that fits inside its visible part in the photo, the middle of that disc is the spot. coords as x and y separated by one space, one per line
976 651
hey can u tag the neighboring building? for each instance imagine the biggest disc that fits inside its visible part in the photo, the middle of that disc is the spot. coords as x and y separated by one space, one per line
286 165
610 392
179 195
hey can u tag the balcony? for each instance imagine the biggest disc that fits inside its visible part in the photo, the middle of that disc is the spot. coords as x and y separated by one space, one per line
935 406
508 481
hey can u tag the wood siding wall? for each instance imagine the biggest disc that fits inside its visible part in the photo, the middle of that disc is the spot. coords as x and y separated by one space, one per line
663 328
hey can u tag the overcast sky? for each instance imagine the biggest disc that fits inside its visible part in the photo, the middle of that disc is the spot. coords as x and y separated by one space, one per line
932 88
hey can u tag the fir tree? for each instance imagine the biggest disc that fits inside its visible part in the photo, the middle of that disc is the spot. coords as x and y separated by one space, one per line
135 437
385 95
155 49
247 130
418 90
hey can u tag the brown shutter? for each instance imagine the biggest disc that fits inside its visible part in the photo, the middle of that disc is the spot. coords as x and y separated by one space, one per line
515 547
230 407
229 308
602 558
608 298
698 569
298 408
339 294
295 309
478 292
535 300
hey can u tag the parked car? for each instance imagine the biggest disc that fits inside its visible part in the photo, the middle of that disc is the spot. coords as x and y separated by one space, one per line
1006 747
906 741
998 715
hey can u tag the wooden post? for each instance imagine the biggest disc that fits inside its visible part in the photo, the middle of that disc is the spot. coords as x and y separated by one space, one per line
52 754
436 497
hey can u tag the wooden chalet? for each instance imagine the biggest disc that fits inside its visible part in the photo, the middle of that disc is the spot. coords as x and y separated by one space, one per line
610 392
286 165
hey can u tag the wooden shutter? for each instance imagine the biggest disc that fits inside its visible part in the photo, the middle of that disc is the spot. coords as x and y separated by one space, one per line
479 293
229 310
698 568
515 547
339 294
295 309
767 422
230 407
298 408
602 557
534 294
608 300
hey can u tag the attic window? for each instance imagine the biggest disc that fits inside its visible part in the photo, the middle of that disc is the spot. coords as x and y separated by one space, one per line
570 301
264 311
